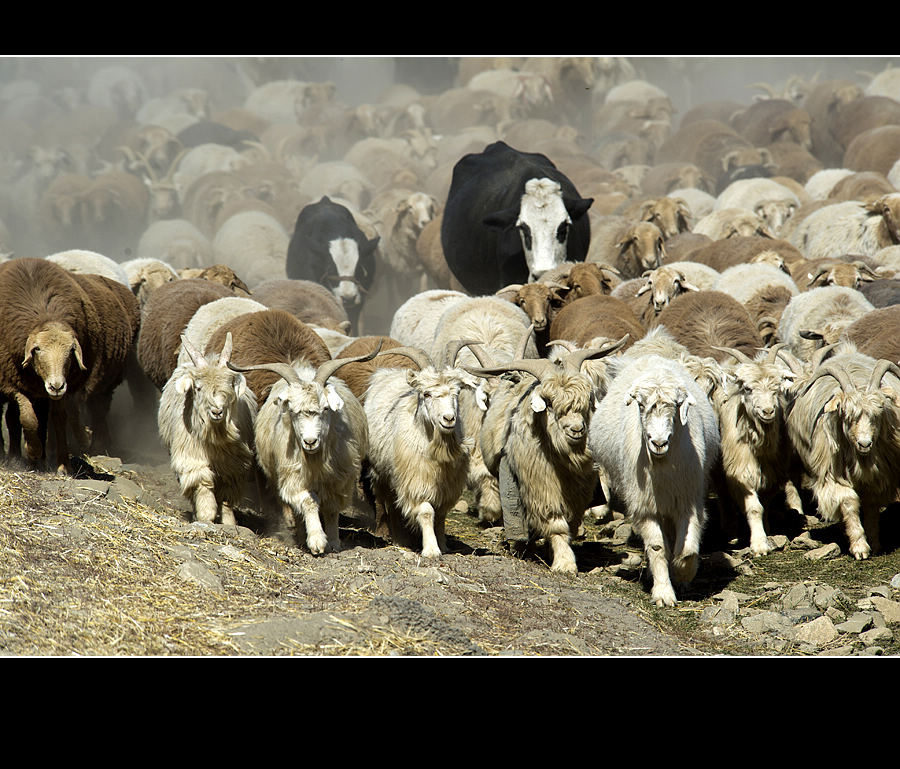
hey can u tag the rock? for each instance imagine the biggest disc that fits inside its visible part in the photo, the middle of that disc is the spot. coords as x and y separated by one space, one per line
888 609
819 632
766 622
805 541
796 597
196 572
876 635
895 582
824 553
855 623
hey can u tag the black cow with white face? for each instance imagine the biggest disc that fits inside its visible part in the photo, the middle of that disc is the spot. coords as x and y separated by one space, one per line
511 216
328 247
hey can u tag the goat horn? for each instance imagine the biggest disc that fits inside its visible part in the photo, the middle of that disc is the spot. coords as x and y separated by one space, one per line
416 354
564 343
453 348
329 367
575 359
284 370
820 355
773 352
537 367
523 343
793 364
478 351
193 353
738 355
827 369
227 349
882 367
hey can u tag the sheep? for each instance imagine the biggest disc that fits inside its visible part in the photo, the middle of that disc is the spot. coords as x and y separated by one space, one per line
90 262
166 313
311 438
863 186
874 150
820 184
667 178
210 317
811 273
661 285
418 454
655 437
629 247
819 315
773 202
773 120
883 292
255 244
722 223
849 227
595 316
705 320
309 301
206 414
751 411
269 336
583 279
739 249
145 274
763 289
217 273
415 321
539 301
356 375
844 425
48 347
670 213
114 212
534 440
877 333
177 242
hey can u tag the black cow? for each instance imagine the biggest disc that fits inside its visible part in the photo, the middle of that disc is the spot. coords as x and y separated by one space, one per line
328 247
509 217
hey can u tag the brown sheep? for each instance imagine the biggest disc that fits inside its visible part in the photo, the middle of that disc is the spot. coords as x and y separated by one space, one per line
591 317
851 272
268 336
357 375
670 214
773 120
705 320
877 333
722 254
630 247
861 185
307 300
48 349
168 311
874 150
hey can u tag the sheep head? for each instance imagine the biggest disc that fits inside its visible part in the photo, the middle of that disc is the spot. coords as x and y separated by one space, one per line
587 278
642 246
538 300
661 408
671 215
664 284
49 351
849 274
210 386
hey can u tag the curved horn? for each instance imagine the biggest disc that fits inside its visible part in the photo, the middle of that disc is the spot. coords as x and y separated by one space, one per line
227 349
575 359
479 352
793 363
284 370
453 348
819 355
738 355
537 367
523 343
564 343
416 354
329 367
773 352
827 369
882 367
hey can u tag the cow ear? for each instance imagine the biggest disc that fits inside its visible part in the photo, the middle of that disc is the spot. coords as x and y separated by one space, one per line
501 220
577 207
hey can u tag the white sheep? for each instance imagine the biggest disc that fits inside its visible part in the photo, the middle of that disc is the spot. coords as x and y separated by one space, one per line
819 315
177 242
255 244
311 438
415 321
768 199
145 275
211 316
205 420
655 437
418 454
849 227
90 262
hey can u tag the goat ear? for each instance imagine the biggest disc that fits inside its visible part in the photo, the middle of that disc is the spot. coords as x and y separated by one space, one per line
891 394
240 385
335 401
685 407
184 383
833 404
538 404
481 397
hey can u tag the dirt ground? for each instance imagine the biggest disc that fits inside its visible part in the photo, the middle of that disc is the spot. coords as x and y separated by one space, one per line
109 565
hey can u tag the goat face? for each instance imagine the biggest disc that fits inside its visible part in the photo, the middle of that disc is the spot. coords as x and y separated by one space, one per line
212 391
659 412
863 416
49 352
438 398
310 408
761 390
566 401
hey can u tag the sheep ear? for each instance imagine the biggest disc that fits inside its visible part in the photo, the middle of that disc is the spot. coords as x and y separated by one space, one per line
538 404
643 289
481 397
79 357
335 401
184 383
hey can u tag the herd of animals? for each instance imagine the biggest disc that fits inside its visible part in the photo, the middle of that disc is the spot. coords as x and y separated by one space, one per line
540 284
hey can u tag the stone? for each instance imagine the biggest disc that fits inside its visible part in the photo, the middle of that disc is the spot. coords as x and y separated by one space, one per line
855 623
797 596
819 632
876 635
198 574
824 553
766 622
805 541
888 609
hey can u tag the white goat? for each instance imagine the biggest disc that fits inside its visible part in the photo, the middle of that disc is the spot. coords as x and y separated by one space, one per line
655 437
311 438
205 419
418 454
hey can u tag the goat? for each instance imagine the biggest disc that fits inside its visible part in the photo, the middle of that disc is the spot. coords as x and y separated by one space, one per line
655 437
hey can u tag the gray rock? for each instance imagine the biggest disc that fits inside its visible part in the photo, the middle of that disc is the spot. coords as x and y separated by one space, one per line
895 582
888 609
838 651
855 623
805 541
876 635
797 596
824 553
819 632
195 572
766 622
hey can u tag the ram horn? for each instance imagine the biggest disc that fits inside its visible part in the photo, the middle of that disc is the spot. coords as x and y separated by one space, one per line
883 367
453 348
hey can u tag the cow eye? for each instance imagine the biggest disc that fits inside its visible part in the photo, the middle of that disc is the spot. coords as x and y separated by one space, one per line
562 232
525 231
